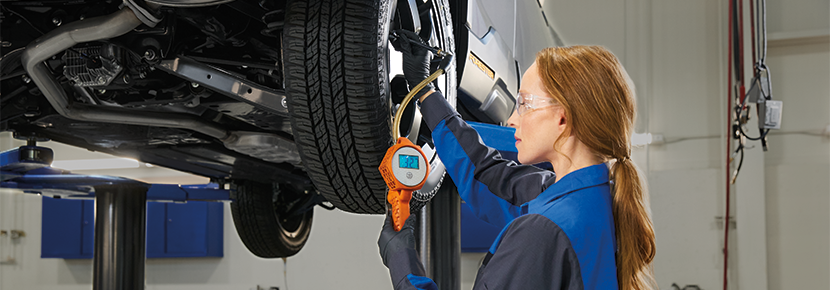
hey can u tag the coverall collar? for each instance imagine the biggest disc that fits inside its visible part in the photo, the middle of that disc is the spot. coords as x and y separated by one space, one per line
582 178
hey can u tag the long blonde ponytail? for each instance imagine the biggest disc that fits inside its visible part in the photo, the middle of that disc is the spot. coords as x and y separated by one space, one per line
598 98
635 233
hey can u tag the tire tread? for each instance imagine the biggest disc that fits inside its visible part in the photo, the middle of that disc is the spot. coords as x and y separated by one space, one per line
338 122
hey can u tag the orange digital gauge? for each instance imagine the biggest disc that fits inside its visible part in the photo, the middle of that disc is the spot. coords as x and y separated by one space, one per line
405 169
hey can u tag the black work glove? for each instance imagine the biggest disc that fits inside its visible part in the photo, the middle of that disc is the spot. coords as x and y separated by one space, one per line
416 59
397 249
391 241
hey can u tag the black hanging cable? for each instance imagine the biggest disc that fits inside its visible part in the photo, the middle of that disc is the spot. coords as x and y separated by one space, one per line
739 38
753 32
735 45
740 109
764 32
740 149
759 68
762 64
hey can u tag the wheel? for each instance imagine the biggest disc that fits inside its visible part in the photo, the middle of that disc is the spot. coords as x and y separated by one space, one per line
342 92
266 219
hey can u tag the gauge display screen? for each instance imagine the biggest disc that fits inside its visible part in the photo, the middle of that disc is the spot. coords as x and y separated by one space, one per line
408 161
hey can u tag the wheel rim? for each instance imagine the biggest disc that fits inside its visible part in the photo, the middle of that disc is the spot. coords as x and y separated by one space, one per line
284 200
412 123
260 217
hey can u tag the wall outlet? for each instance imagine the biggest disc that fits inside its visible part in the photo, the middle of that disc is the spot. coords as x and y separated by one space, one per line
770 114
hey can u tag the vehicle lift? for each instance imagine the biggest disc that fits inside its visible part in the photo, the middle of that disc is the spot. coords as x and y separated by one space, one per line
120 208
121 204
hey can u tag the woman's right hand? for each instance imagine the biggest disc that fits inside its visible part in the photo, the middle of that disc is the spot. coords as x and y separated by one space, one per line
416 60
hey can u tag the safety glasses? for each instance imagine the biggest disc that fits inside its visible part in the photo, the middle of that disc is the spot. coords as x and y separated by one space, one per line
528 102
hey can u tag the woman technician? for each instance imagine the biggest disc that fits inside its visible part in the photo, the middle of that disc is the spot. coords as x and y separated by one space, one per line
585 227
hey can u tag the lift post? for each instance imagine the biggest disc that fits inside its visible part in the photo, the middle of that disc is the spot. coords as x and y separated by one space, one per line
440 237
120 209
120 225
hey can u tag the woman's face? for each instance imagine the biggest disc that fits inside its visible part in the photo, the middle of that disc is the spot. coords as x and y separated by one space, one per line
538 127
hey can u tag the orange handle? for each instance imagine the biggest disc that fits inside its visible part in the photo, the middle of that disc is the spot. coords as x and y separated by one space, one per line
400 207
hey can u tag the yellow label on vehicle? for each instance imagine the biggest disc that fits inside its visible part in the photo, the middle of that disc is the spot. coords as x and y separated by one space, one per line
483 67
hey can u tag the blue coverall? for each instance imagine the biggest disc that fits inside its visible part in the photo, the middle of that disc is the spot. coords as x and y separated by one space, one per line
554 235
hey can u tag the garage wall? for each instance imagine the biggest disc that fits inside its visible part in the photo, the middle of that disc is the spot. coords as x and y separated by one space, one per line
797 175
341 252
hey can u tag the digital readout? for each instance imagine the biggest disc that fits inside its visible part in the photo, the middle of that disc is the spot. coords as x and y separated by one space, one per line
408 161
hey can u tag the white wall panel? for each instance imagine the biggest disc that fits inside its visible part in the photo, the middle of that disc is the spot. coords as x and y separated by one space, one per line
688 237
797 15
798 207
798 169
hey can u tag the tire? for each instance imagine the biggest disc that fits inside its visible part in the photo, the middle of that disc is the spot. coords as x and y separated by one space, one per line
260 217
338 84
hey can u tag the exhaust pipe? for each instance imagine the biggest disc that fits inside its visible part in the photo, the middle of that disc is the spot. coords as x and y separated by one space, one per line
268 147
92 29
